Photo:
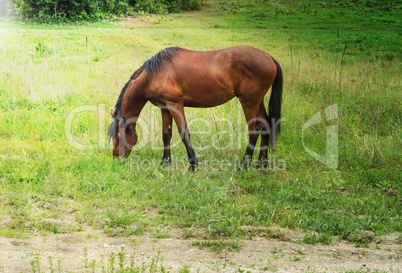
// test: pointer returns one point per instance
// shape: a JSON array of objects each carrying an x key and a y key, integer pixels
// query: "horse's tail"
[{"x": 275, "y": 101}]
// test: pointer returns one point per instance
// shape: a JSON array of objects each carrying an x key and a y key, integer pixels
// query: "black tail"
[{"x": 275, "y": 102}]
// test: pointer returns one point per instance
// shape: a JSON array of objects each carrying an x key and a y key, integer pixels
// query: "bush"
[
  {"x": 151, "y": 6},
  {"x": 46, "y": 11},
  {"x": 162, "y": 6}
]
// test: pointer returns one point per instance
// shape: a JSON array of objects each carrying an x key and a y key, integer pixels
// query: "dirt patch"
[
  {"x": 134, "y": 22},
  {"x": 67, "y": 251},
  {"x": 152, "y": 20}
]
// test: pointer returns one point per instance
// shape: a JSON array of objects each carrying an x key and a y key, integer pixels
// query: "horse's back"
[
  {"x": 237, "y": 63},
  {"x": 211, "y": 78}
]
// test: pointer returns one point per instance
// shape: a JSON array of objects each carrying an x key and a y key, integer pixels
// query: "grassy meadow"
[{"x": 59, "y": 82}]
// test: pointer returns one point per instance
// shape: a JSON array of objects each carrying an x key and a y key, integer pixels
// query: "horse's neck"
[{"x": 134, "y": 101}]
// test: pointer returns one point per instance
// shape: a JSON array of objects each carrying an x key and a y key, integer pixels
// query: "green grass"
[{"x": 49, "y": 71}]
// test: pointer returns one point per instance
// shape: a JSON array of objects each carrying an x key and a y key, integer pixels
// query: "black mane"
[
  {"x": 151, "y": 66},
  {"x": 156, "y": 62}
]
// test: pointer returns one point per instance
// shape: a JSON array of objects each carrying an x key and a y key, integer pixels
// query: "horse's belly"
[{"x": 205, "y": 99}]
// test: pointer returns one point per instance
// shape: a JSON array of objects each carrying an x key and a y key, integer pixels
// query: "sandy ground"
[{"x": 257, "y": 255}]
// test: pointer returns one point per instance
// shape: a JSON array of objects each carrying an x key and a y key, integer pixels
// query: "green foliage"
[
  {"x": 151, "y": 6},
  {"x": 310, "y": 238},
  {"x": 46, "y": 11},
  {"x": 163, "y": 6},
  {"x": 56, "y": 11}
]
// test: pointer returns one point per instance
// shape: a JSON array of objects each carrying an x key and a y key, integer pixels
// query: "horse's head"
[{"x": 123, "y": 135}]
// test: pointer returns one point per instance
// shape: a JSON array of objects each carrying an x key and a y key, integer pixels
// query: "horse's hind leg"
[
  {"x": 251, "y": 111},
  {"x": 166, "y": 135},
  {"x": 263, "y": 128}
]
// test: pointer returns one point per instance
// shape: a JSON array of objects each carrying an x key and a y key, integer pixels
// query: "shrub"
[{"x": 47, "y": 11}]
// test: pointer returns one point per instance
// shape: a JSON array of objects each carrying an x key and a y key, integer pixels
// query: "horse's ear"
[{"x": 112, "y": 112}]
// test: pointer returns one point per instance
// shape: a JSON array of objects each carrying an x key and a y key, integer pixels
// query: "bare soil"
[{"x": 256, "y": 255}]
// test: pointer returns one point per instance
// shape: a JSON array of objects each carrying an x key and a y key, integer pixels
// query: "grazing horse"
[{"x": 177, "y": 77}]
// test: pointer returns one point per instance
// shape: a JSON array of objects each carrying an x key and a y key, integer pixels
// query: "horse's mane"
[{"x": 151, "y": 67}]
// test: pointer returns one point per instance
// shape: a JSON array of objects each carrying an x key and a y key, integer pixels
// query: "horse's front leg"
[
  {"x": 166, "y": 136},
  {"x": 177, "y": 111}
]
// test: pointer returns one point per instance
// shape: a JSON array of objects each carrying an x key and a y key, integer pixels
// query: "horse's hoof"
[
  {"x": 193, "y": 164},
  {"x": 166, "y": 162},
  {"x": 245, "y": 163},
  {"x": 193, "y": 167},
  {"x": 262, "y": 164}
]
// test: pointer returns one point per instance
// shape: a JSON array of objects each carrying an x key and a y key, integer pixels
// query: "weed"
[
  {"x": 325, "y": 238},
  {"x": 269, "y": 266},
  {"x": 310, "y": 238},
  {"x": 234, "y": 245},
  {"x": 35, "y": 263},
  {"x": 185, "y": 269},
  {"x": 309, "y": 269},
  {"x": 336, "y": 254},
  {"x": 161, "y": 233},
  {"x": 364, "y": 252},
  {"x": 188, "y": 233},
  {"x": 112, "y": 264},
  {"x": 295, "y": 258},
  {"x": 301, "y": 250},
  {"x": 218, "y": 246},
  {"x": 276, "y": 233},
  {"x": 277, "y": 253}
]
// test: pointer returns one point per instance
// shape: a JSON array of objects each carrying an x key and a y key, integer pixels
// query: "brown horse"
[{"x": 177, "y": 77}]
